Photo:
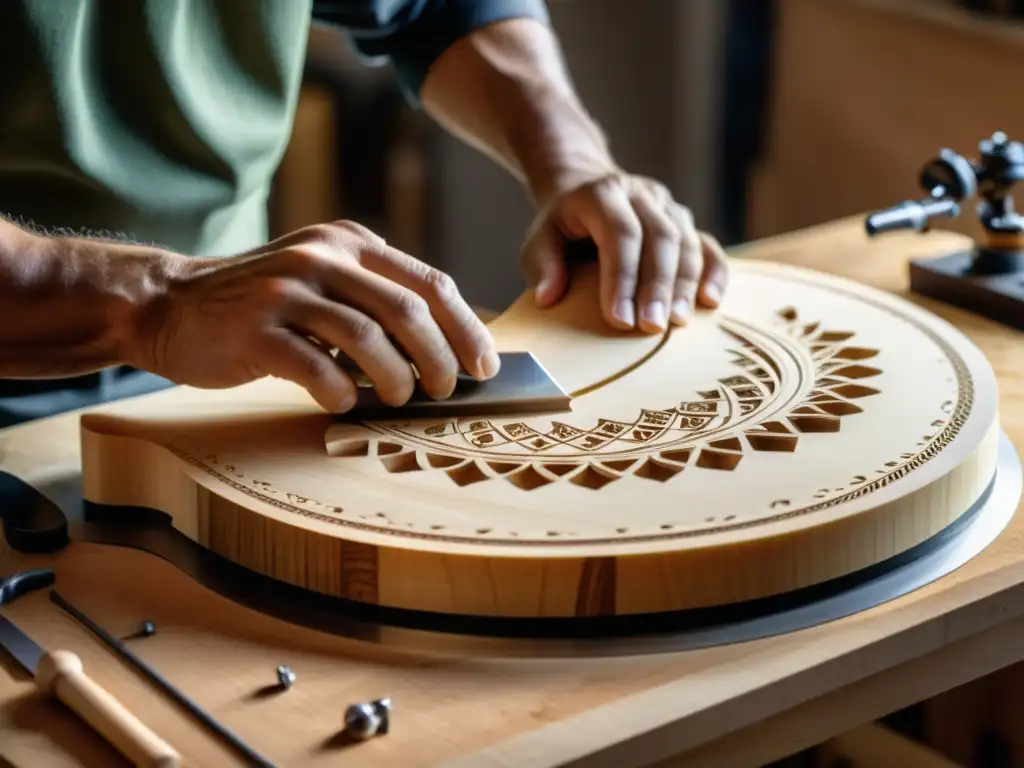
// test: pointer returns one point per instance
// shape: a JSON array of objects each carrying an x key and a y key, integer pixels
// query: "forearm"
[
  {"x": 505, "y": 90},
  {"x": 71, "y": 306}
]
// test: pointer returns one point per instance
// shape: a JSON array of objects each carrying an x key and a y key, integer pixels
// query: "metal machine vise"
[{"x": 989, "y": 279}]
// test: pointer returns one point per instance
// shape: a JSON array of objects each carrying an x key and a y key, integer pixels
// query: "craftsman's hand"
[
  {"x": 280, "y": 309},
  {"x": 655, "y": 267}
]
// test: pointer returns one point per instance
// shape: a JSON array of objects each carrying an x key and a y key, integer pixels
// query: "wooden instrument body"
[{"x": 807, "y": 429}]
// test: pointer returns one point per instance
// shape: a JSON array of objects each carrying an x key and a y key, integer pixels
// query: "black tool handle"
[
  {"x": 582, "y": 251},
  {"x": 31, "y": 522},
  {"x": 23, "y": 582}
]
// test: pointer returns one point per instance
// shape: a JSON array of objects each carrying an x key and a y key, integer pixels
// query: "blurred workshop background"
[{"x": 763, "y": 116}]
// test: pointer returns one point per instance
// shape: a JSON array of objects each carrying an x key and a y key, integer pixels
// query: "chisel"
[{"x": 60, "y": 674}]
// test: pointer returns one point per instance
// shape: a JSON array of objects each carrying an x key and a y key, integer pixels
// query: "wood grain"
[
  {"x": 494, "y": 712},
  {"x": 807, "y": 429}
]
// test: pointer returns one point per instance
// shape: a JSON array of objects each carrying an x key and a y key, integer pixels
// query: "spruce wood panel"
[
  {"x": 808, "y": 428},
  {"x": 492, "y": 712}
]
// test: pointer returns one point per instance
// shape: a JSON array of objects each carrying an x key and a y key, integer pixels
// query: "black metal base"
[{"x": 950, "y": 279}]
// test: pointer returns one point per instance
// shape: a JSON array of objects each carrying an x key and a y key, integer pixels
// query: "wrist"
[
  {"x": 138, "y": 300},
  {"x": 107, "y": 291},
  {"x": 560, "y": 149},
  {"x": 505, "y": 90},
  {"x": 74, "y": 305}
]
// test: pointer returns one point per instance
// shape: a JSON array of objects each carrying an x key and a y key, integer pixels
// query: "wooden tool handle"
[{"x": 60, "y": 673}]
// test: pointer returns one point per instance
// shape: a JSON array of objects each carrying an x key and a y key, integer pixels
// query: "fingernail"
[
  {"x": 547, "y": 296},
  {"x": 654, "y": 313},
  {"x": 681, "y": 309},
  {"x": 624, "y": 313},
  {"x": 489, "y": 365},
  {"x": 345, "y": 403},
  {"x": 541, "y": 292},
  {"x": 713, "y": 293},
  {"x": 447, "y": 389}
]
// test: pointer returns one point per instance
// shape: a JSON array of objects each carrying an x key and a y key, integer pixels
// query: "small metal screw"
[
  {"x": 285, "y": 676},
  {"x": 146, "y": 629},
  {"x": 364, "y": 721}
]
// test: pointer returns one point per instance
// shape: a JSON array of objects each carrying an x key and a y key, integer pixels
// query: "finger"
[
  {"x": 362, "y": 339},
  {"x": 714, "y": 279},
  {"x": 543, "y": 260},
  {"x": 616, "y": 231},
  {"x": 659, "y": 263},
  {"x": 690, "y": 265},
  {"x": 407, "y": 318},
  {"x": 466, "y": 333},
  {"x": 289, "y": 356}
]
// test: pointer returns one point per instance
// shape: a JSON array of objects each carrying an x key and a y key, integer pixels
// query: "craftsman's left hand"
[{"x": 655, "y": 267}]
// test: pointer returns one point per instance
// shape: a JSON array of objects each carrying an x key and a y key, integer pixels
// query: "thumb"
[{"x": 544, "y": 262}]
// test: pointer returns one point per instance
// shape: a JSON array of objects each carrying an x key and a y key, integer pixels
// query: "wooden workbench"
[{"x": 733, "y": 706}]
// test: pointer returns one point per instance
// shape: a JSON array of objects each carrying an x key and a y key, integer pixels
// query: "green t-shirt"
[{"x": 164, "y": 121}]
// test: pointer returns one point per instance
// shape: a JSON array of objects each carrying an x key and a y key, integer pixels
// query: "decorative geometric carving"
[
  {"x": 748, "y": 455},
  {"x": 776, "y": 384},
  {"x": 710, "y": 431}
]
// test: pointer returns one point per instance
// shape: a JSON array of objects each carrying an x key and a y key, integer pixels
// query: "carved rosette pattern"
[
  {"x": 699, "y": 433},
  {"x": 841, "y": 381}
]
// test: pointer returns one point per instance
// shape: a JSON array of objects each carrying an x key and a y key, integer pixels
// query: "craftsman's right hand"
[{"x": 226, "y": 321}]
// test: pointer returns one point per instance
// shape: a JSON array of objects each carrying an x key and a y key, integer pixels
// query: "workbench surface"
[{"x": 738, "y": 705}]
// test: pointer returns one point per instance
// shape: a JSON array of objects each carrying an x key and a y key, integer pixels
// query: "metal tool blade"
[
  {"x": 19, "y": 646},
  {"x": 522, "y": 385}
]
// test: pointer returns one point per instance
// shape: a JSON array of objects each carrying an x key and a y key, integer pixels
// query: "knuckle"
[
  {"x": 316, "y": 367},
  {"x": 300, "y": 261},
  {"x": 690, "y": 247},
  {"x": 606, "y": 188},
  {"x": 364, "y": 332},
  {"x": 659, "y": 289},
  {"x": 661, "y": 228},
  {"x": 439, "y": 283},
  {"x": 685, "y": 217},
  {"x": 321, "y": 233},
  {"x": 659, "y": 190},
  {"x": 627, "y": 227},
  {"x": 689, "y": 268},
  {"x": 357, "y": 229},
  {"x": 606, "y": 182},
  {"x": 359, "y": 239},
  {"x": 626, "y": 280},
  {"x": 410, "y": 308},
  {"x": 277, "y": 291}
]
